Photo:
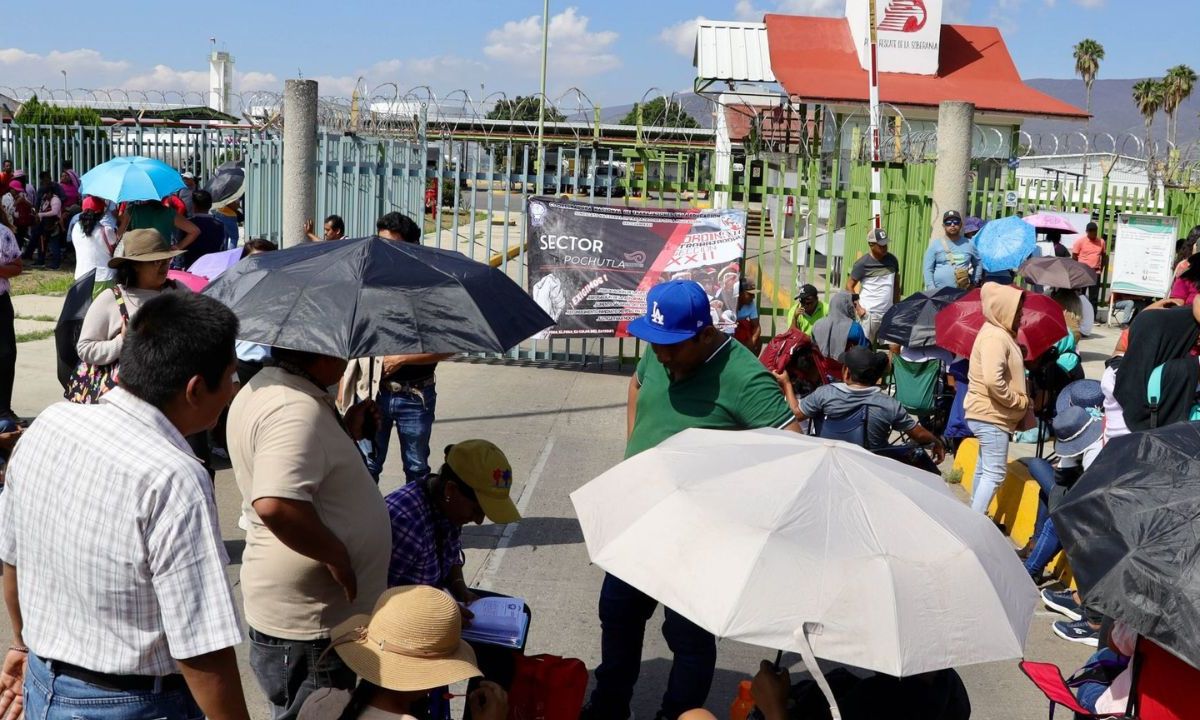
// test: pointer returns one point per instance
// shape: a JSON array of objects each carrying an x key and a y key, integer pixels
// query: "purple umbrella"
[{"x": 213, "y": 264}]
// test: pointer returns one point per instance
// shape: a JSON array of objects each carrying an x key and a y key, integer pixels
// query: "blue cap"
[{"x": 675, "y": 311}]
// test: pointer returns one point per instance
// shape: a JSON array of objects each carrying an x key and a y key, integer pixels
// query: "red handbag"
[{"x": 547, "y": 687}]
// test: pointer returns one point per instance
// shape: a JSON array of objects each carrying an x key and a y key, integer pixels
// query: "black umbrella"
[
  {"x": 369, "y": 297},
  {"x": 1058, "y": 272},
  {"x": 70, "y": 323},
  {"x": 1131, "y": 529},
  {"x": 910, "y": 322},
  {"x": 227, "y": 184}
]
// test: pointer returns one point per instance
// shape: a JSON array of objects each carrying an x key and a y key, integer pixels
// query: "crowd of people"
[{"x": 355, "y": 600}]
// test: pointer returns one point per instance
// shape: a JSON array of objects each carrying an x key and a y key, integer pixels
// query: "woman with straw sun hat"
[{"x": 411, "y": 644}]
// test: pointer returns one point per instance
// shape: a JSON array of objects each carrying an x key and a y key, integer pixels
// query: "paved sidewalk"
[{"x": 560, "y": 429}]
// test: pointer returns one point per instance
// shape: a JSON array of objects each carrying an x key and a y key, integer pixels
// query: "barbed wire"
[{"x": 387, "y": 110}]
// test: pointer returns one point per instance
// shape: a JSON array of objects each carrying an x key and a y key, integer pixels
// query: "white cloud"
[
  {"x": 84, "y": 68},
  {"x": 681, "y": 37},
  {"x": 442, "y": 73},
  {"x": 164, "y": 77},
  {"x": 574, "y": 52},
  {"x": 1090, "y": 4},
  {"x": 747, "y": 11}
]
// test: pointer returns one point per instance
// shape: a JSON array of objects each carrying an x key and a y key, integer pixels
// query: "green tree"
[
  {"x": 36, "y": 112},
  {"x": 523, "y": 108},
  {"x": 38, "y": 126},
  {"x": 659, "y": 113},
  {"x": 1088, "y": 54},
  {"x": 1177, "y": 87},
  {"x": 1148, "y": 96}
]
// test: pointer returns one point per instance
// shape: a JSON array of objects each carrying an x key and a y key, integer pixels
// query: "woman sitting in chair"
[{"x": 839, "y": 331}]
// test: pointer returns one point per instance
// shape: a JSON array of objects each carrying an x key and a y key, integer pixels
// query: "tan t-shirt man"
[{"x": 285, "y": 441}]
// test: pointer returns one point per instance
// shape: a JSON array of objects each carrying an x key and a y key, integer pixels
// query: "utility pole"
[{"x": 542, "y": 99}]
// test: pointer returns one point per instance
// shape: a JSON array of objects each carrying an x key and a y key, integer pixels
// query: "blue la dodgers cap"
[{"x": 675, "y": 311}]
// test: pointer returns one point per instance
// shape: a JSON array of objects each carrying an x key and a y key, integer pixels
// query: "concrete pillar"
[
  {"x": 952, "y": 175},
  {"x": 299, "y": 159}
]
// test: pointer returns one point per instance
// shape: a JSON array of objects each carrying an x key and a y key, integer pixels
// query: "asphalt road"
[{"x": 560, "y": 429}]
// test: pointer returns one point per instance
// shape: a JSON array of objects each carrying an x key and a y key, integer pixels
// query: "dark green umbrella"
[
  {"x": 370, "y": 297},
  {"x": 1131, "y": 529}
]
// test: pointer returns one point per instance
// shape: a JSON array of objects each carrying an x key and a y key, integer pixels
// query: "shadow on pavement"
[
  {"x": 652, "y": 683},
  {"x": 535, "y": 413},
  {"x": 1093, "y": 356},
  {"x": 531, "y": 531}
]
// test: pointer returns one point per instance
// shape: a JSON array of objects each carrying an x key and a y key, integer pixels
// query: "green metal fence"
[
  {"x": 51, "y": 148},
  {"x": 809, "y": 216}
]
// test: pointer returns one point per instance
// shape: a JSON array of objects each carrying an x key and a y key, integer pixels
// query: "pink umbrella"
[
  {"x": 195, "y": 283},
  {"x": 1045, "y": 222}
]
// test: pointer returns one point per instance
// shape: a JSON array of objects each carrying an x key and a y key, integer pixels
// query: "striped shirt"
[{"x": 110, "y": 521}]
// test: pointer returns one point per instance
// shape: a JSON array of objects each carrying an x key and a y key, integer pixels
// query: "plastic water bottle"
[{"x": 743, "y": 703}]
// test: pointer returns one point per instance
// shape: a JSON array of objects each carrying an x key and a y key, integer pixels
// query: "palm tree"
[
  {"x": 1148, "y": 96},
  {"x": 1088, "y": 54},
  {"x": 1177, "y": 87}
]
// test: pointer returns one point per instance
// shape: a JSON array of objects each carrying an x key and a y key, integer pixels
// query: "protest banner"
[{"x": 590, "y": 266}]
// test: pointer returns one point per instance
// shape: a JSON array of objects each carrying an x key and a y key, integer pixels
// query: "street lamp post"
[{"x": 542, "y": 99}]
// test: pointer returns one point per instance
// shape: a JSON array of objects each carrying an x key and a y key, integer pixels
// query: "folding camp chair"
[
  {"x": 851, "y": 428},
  {"x": 921, "y": 388},
  {"x": 1048, "y": 678}
]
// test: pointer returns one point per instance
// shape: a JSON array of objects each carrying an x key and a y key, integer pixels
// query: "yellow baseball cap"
[{"x": 485, "y": 469}]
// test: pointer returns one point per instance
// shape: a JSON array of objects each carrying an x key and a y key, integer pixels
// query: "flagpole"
[
  {"x": 873, "y": 73},
  {"x": 542, "y": 99}
]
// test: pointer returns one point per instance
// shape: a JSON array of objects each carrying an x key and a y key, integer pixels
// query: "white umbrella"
[{"x": 813, "y": 546}]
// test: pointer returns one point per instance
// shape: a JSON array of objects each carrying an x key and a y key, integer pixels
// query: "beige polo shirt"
[{"x": 285, "y": 441}]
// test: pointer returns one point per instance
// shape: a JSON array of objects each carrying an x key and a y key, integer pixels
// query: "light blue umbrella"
[
  {"x": 127, "y": 179},
  {"x": 1006, "y": 243}
]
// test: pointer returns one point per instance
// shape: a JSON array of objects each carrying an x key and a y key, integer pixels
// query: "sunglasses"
[{"x": 952, "y": 222}]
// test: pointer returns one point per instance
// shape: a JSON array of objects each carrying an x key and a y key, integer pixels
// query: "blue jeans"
[
  {"x": 1043, "y": 474},
  {"x": 231, "y": 229},
  {"x": 624, "y": 611},
  {"x": 411, "y": 413},
  {"x": 51, "y": 696},
  {"x": 1045, "y": 539},
  {"x": 992, "y": 464},
  {"x": 288, "y": 671}
]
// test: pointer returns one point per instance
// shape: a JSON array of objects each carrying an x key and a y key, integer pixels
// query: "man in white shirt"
[
  {"x": 114, "y": 568},
  {"x": 874, "y": 278}
]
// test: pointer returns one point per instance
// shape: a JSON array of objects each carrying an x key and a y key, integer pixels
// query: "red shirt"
[
  {"x": 1089, "y": 252},
  {"x": 173, "y": 202}
]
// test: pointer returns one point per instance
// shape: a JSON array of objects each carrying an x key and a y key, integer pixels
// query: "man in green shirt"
[
  {"x": 807, "y": 310},
  {"x": 694, "y": 377}
]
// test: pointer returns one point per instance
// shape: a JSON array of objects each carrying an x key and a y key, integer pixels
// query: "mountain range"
[{"x": 1113, "y": 110}]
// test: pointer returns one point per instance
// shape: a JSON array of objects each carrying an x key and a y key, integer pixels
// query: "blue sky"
[{"x": 615, "y": 50}]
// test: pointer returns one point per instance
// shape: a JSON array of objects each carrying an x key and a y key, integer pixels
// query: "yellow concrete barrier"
[
  {"x": 499, "y": 259},
  {"x": 1015, "y": 503}
]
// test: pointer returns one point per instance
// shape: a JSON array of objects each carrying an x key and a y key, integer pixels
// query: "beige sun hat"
[
  {"x": 144, "y": 245},
  {"x": 412, "y": 641}
]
